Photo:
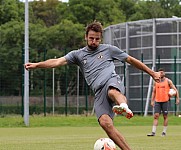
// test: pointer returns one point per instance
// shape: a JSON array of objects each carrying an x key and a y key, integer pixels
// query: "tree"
[
  {"x": 10, "y": 10},
  {"x": 47, "y": 11},
  {"x": 11, "y": 57},
  {"x": 66, "y": 35},
  {"x": 105, "y": 11},
  {"x": 176, "y": 11},
  {"x": 151, "y": 9},
  {"x": 38, "y": 37},
  {"x": 56, "y": 27},
  {"x": 147, "y": 10},
  {"x": 169, "y": 6},
  {"x": 127, "y": 6}
]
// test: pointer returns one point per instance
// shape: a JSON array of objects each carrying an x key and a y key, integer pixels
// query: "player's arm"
[
  {"x": 172, "y": 86},
  {"x": 50, "y": 63},
  {"x": 138, "y": 64},
  {"x": 153, "y": 95}
]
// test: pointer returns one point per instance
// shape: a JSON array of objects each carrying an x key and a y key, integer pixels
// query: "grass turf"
[
  {"x": 80, "y": 133},
  {"x": 79, "y": 121},
  {"x": 83, "y": 138}
]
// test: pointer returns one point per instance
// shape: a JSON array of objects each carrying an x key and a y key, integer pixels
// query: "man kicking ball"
[{"x": 96, "y": 62}]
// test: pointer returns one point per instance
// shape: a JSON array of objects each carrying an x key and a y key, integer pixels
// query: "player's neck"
[{"x": 162, "y": 79}]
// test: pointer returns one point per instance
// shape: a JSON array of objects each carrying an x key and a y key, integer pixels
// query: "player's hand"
[
  {"x": 30, "y": 66},
  {"x": 152, "y": 103},
  {"x": 177, "y": 101},
  {"x": 156, "y": 77}
]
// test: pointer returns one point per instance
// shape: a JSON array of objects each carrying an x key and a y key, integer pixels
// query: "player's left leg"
[
  {"x": 165, "y": 106},
  {"x": 107, "y": 124}
]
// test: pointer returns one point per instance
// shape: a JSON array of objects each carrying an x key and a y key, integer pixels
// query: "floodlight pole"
[{"x": 26, "y": 73}]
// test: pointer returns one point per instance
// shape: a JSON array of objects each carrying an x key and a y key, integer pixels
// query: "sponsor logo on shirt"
[{"x": 100, "y": 56}]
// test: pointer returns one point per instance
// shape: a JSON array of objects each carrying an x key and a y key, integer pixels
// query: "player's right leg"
[
  {"x": 155, "y": 124},
  {"x": 157, "y": 110},
  {"x": 107, "y": 124}
]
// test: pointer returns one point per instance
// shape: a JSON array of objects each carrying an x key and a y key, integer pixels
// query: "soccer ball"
[
  {"x": 104, "y": 144},
  {"x": 172, "y": 92}
]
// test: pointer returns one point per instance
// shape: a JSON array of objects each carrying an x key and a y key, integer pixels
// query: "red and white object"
[{"x": 104, "y": 144}]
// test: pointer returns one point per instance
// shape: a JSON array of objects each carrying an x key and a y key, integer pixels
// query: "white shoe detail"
[{"x": 123, "y": 109}]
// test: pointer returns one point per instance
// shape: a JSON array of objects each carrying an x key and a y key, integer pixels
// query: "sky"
[{"x": 44, "y": 0}]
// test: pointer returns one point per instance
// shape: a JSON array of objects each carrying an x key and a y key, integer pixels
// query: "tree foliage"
[{"x": 56, "y": 26}]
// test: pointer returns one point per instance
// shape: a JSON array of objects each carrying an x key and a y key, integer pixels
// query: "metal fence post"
[
  {"x": 175, "y": 80},
  {"x": 66, "y": 92},
  {"x": 44, "y": 85},
  {"x": 142, "y": 86}
]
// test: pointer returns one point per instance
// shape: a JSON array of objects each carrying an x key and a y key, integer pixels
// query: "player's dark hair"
[
  {"x": 94, "y": 26},
  {"x": 161, "y": 69}
]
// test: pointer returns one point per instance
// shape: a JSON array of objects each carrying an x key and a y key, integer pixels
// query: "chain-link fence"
[
  {"x": 157, "y": 43},
  {"x": 59, "y": 90}
]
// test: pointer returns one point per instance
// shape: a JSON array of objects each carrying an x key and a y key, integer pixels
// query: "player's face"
[
  {"x": 93, "y": 39},
  {"x": 162, "y": 74}
]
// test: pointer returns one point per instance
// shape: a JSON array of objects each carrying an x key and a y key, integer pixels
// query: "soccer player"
[
  {"x": 96, "y": 63},
  {"x": 160, "y": 101}
]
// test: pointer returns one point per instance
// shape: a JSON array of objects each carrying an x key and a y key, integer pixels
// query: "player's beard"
[{"x": 92, "y": 47}]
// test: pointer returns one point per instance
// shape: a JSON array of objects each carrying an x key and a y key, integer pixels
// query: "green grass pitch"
[{"x": 80, "y": 133}]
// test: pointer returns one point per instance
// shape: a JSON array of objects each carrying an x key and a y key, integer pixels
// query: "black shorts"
[
  {"x": 102, "y": 104},
  {"x": 161, "y": 106}
]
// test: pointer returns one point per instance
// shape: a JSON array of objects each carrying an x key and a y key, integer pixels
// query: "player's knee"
[
  {"x": 165, "y": 116},
  {"x": 105, "y": 123},
  {"x": 156, "y": 116},
  {"x": 112, "y": 92}
]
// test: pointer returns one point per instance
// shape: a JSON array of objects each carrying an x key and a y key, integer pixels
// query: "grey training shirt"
[{"x": 97, "y": 65}]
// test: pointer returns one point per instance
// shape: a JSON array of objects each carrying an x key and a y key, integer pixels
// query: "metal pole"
[
  {"x": 154, "y": 44},
  {"x": 22, "y": 86},
  {"x": 153, "y": 68},
  {"x": 26, "y": 73},
  {"x": 66, "y": 92},
  {"x": 142, "y": 86},
  {"x": 154, "y": 50},
  {"x": 127, "y": 66},
  {"x": 175, "y": 81},
  {"x": 86, "y": 97},
  {"x": 148, "y": 96},
  {"x": 77, "y": 90},
  {"x": 158, "y": 61},
  {"x": 141, "y": 71},
  {"x": 44, "y": 85},
  {"x": 53, "y": 80}
]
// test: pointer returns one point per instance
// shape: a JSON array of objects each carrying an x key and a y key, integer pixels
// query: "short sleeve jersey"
[{"x": 97, "y": 65}]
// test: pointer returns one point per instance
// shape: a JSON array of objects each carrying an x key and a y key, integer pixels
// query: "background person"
[
  {"x": 160, "y": 101},
  {"x": 96, "y": 63}
]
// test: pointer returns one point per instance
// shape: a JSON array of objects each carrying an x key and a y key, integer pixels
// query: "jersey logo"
[
  {"x": 100, "y": 56},
  {"x": 85, "y": 61}
]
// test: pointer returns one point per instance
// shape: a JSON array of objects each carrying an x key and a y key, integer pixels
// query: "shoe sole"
[
  {"x": 150, "y": 135},
  {"x": 119, "y": 110}
]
